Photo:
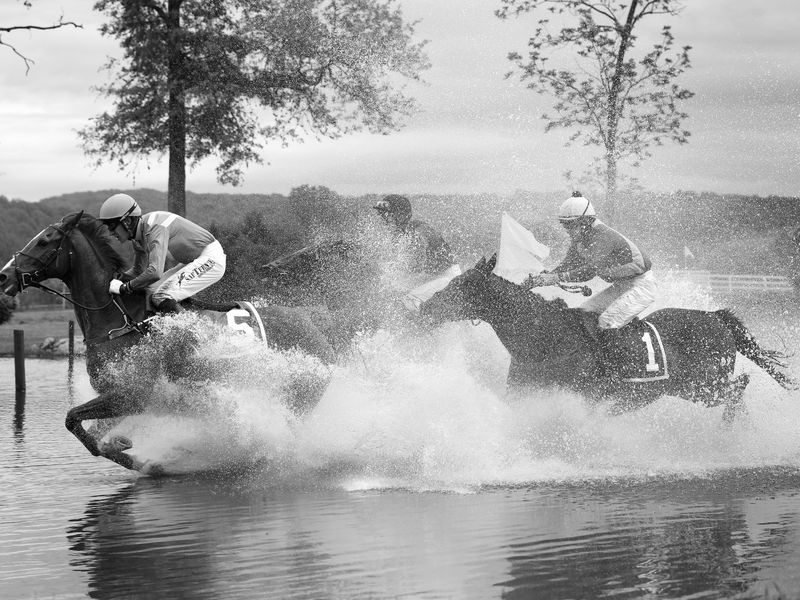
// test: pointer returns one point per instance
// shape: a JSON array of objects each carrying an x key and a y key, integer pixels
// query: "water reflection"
[
  {"x": 654, "y": 543},
  {"x": 144, "y": 537},
  {"x": 19, "y": 417}
]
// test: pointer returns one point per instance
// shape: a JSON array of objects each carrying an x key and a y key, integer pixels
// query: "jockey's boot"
[{"x": 168, "y": 307}]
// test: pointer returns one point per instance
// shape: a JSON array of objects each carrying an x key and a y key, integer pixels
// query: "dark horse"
[
  {"x": 80, "y": 251},
  {"x": 551, "y": 344}
]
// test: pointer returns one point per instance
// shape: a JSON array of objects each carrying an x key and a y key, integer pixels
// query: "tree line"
[{"x": 726, "y": 233}]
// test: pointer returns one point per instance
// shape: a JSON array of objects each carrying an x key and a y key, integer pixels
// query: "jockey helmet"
[
  {"x": 576, "y": 207},
  {"x": 395, "y": 206},
  {"x": 118, "y": 207}
]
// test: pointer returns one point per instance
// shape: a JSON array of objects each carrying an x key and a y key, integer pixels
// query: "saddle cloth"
[
  {"x": 243, "y": 319},
  {"x": 637, "y": 353}
]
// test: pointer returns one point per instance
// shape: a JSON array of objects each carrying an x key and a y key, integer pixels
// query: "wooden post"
[
  {"x": 71, "y": 329},
  {"x": 19, "y": 359}
]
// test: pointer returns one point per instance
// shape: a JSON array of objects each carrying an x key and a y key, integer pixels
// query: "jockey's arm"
[
  {"x": 574, "y": 268},
  {"x": 157, "y": 240}
]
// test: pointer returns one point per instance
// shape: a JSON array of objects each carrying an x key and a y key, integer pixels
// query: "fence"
[{"x": 728, "y": 283}]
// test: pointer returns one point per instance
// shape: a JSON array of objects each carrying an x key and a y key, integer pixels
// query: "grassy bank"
[{"x": 37, "y": 325}]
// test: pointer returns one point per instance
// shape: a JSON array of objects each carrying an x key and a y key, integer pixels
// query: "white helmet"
[
  {"x": 576, "y": 207},
  {"x": 119, "y": 206}
]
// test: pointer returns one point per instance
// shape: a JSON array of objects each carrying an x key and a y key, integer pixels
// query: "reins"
[{"x": 26, "y": 280}]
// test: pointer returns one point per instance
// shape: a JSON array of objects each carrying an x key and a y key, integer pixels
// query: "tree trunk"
[
  {"x": 614, "y": 115},
  {"x": 176, "y": 185},
  {"x": 611, "y": 189}
]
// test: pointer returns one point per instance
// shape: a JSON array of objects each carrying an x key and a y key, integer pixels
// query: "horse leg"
[
  {"x": 106, "y": 406},
  {"x": 733, "y": 398}
]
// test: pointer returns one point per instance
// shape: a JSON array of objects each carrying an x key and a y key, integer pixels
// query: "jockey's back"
[{"x": 185, "y": 240}]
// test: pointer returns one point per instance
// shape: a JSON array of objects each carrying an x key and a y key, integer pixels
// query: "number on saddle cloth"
[
  {"x": 638, "y": 353},
  {"x": 246, "y": 320}
]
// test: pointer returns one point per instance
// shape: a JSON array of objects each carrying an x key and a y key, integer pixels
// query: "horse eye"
[{"x": 43, "y": 242}]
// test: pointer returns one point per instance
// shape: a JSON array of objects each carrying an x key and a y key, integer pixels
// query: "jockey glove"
[{"x": 118, "y": 287}]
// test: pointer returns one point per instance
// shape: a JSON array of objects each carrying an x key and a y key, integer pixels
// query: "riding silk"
[
  {"x": 604, "y": 252},
  {"x": 163, "y": 239}
]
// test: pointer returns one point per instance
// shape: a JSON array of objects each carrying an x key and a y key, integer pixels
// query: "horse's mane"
[
  {"x": 94, "y": 229},
  {"x": 521, "y": 295}
]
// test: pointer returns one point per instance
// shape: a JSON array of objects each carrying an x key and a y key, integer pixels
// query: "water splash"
[{"x": 430, "y": 412}]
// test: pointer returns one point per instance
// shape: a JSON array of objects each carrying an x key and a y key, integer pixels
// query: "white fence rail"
[{"x": 728, "y": 283}]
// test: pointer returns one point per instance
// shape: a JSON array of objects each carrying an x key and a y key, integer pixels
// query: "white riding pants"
[
  {"x": 620, "y": 302},
  {"x": 183, "y": 281}
]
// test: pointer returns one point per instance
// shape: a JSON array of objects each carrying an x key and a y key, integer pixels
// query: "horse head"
[
  {"x": 78, "y": 244},
  {"x": 464, "y": 297},
  {"x": 46, "y": 256}
]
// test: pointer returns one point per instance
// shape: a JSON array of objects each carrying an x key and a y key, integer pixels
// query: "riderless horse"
[
  {"x": 80, "y": 251},
  {"x": 686, "y": 353}
]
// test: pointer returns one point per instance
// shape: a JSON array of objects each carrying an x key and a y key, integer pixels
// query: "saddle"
[{"x": 632, "y": 353}]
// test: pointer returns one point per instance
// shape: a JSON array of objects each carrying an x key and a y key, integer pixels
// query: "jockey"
[
  {"x": 597, "y": 250},
  {"x": 174, "y": 258},
  {"x": 432, "y": 254}
]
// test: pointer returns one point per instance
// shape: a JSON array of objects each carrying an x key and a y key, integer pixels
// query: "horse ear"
[
  {"x": 492, "y": 262},
  {"x": 72, "y": 220},
  {"x": 481, "y": 263}
]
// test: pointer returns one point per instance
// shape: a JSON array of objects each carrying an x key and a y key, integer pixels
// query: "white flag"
[
  {"x": 520, "y": 252},
  {"x": 413, "y": 299},
  {"x": 687, "y": 253}
]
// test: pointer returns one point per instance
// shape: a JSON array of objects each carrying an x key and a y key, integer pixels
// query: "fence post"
[
  {"x": 71, "y": 329},
  {"x": 19, "y": 359}
]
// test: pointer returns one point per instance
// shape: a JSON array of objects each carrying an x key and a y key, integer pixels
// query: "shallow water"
[{"x": 414, "y": 477}]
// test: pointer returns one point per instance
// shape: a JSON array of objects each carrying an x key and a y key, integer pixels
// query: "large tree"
[
  {"x": 584, "y": 53},
  {"x": 202, "y": 78},
  {"x": 29, "y": 27}
]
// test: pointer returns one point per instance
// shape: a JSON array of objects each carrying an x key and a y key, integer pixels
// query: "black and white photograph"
[{"x": 380, "y": 299}]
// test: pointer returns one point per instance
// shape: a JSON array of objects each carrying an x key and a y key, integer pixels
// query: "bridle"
[{"x": 26, "y": 279}]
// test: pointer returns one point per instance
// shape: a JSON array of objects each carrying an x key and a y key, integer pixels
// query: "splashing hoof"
[
  {"x": 121, "y": 443},
  {"x": 152, "y": 469}
]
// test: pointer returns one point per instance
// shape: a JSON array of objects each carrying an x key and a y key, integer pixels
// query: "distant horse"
[
  {"x": 80, "y": 251},
  {"x": 344, "y": 277},
  {"x": 686, "y": 353}
]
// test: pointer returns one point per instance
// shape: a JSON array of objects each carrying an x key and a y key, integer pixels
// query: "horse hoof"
[
  {"x": 121, "y": 443},
  {"x": 152, "y": 469}
]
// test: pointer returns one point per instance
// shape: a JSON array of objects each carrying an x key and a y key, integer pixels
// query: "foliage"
[
  {"x": 727, "y": 233},
  {"x": 196, "y": 76},
  {"x": 257, "y": 237},
  {"x": 605, "y": 94},
  {"x": 7, "y": 306}
]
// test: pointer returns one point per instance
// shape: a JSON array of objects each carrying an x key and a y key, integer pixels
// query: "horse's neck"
[
  {"x": 528, "y": 326},
  {"x": 88, "y": 281}
]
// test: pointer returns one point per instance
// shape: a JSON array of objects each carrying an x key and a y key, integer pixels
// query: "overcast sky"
[{"x": 475, "y": 132}]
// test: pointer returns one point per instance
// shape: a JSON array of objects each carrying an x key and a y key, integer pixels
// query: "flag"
[
  {"x": 520, "y": 252},
  {"x": 687, "y": 254},
  {"x": 413, "y": 299}
]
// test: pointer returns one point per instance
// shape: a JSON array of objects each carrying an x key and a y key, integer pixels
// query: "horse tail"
[{"x": 769, "y": 360}]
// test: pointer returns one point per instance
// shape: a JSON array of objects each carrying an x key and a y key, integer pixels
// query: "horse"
[
  {"x": 346, "y": 280},
  {"x": 80, "y": 251},
  {"x": 552, "y": 344}
]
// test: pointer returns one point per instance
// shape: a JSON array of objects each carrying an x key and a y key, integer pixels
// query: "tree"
[
  {"x": 12, "y": 28},
  {"x": 608, "y": 96},
  {"x": 196, "y": 75}
]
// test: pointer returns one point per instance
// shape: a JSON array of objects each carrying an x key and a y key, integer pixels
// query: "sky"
[{"x": 476, "y": 131}]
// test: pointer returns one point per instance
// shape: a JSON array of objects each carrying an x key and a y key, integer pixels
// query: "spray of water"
[{"x": 430, "y": 411}]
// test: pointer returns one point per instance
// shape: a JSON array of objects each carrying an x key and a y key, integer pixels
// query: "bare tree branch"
[{"x": 11, "y": 28}]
